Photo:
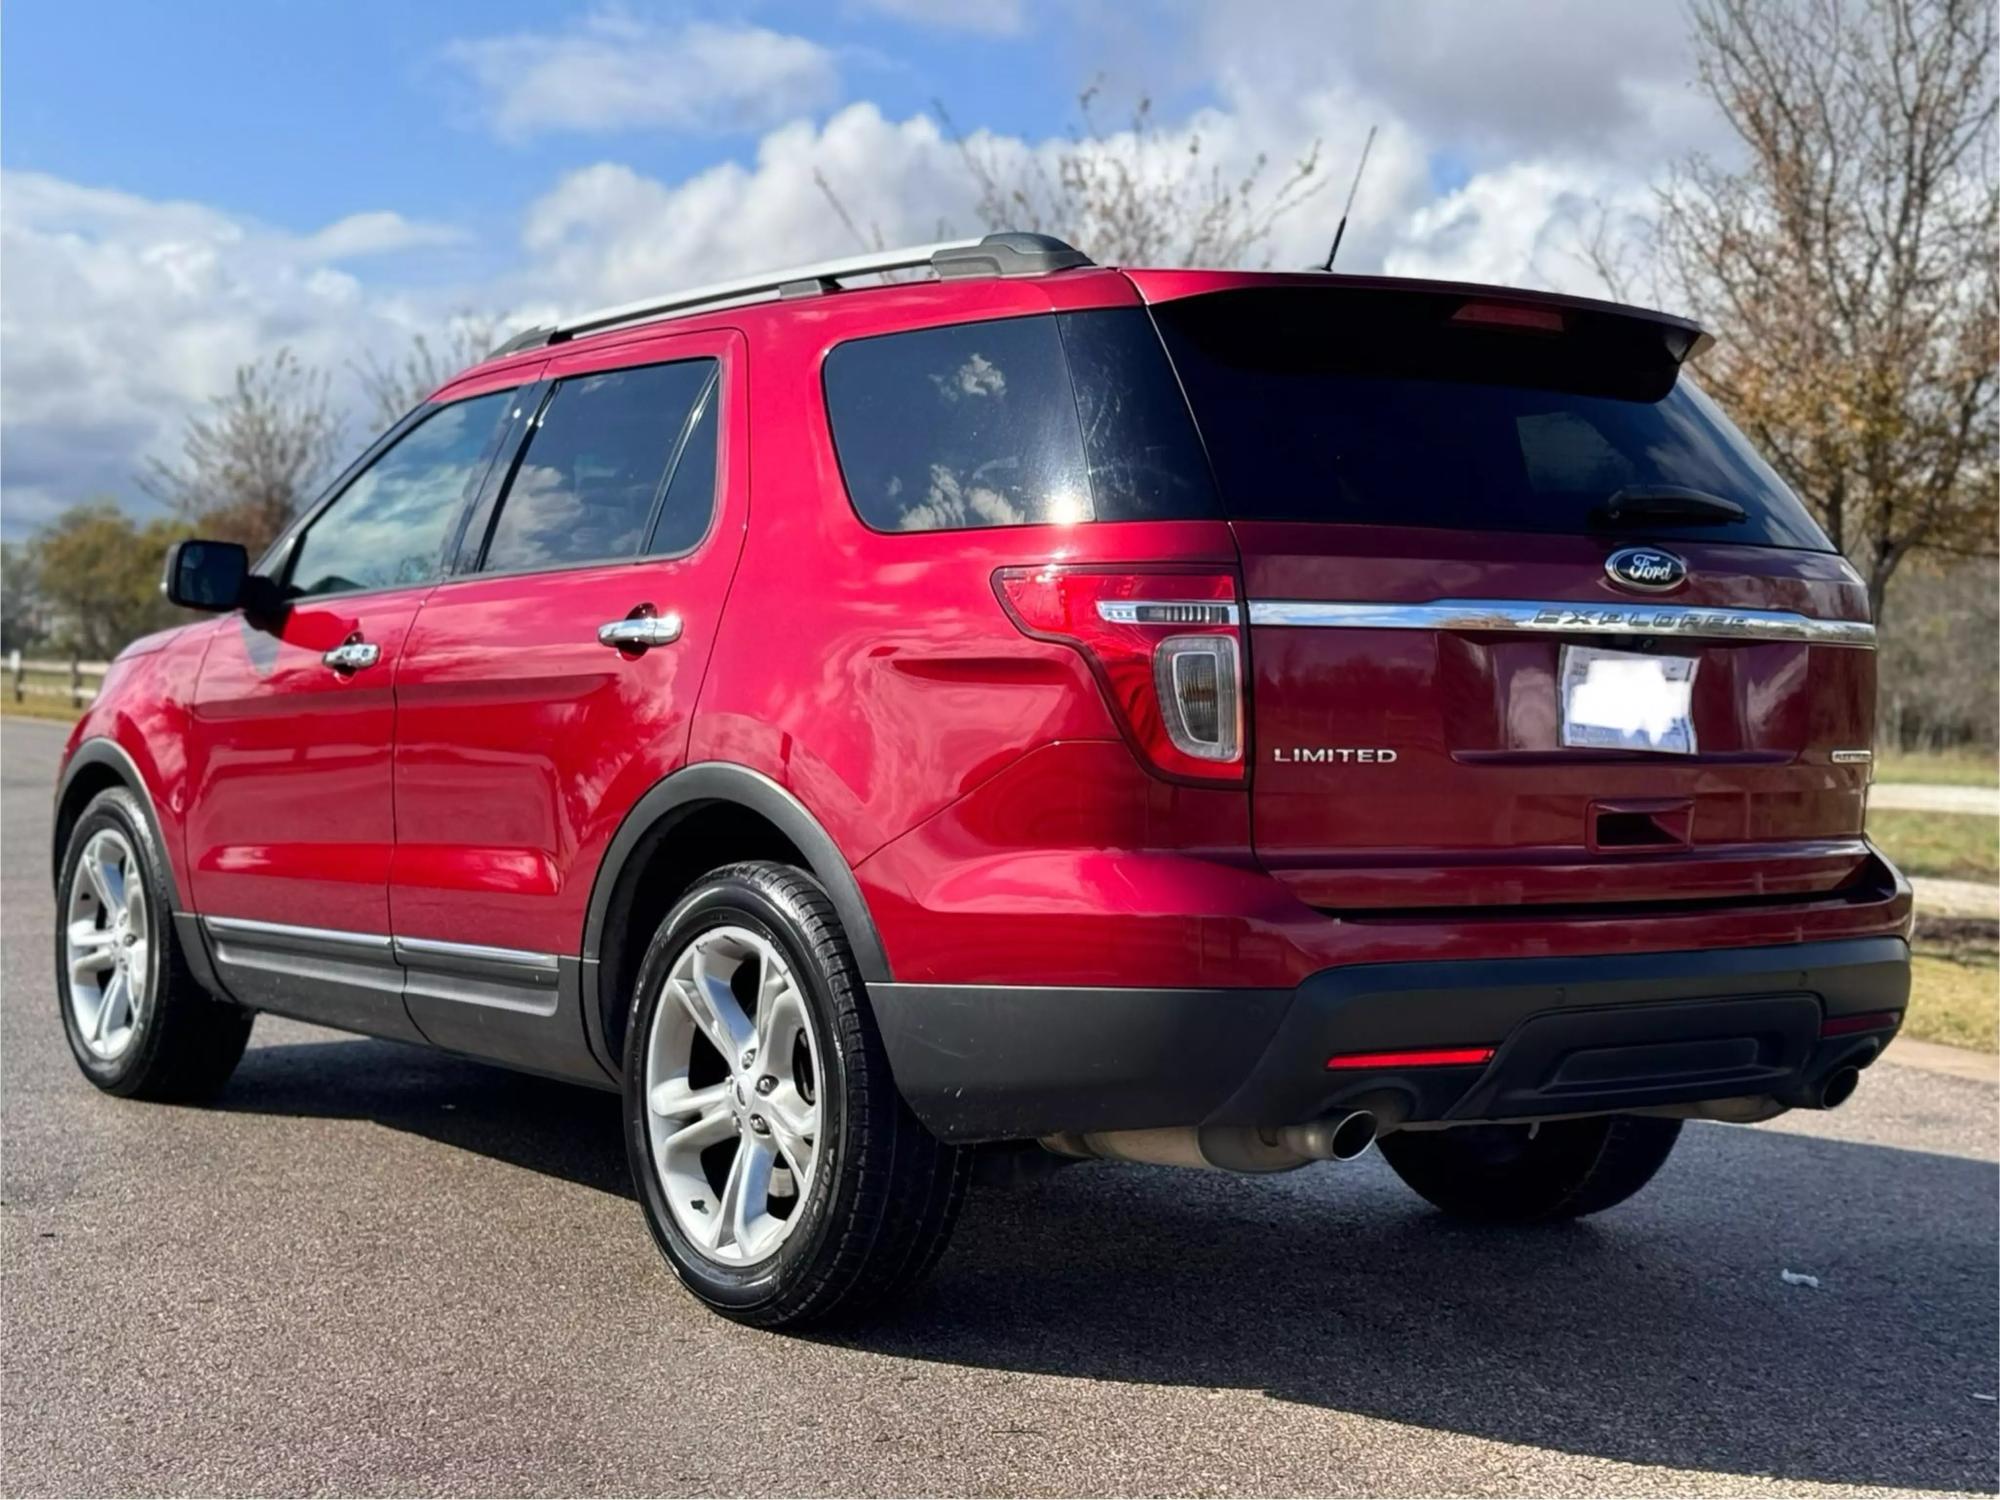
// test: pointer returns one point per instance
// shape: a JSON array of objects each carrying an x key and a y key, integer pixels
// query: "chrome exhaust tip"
[
  {"x": 1354, "y": 1134},
  {"x": 1336, "y": 1138}
]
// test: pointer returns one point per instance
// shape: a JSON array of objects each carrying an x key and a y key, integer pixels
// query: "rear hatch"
[{"x": 1432, "y": 489}]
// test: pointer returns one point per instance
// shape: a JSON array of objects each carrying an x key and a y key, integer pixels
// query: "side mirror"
[{"x": 212, "y": 576}]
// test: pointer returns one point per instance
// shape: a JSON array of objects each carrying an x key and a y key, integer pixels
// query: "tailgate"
[
  {"x": 1409, "y": 752},
  {"x": 1443, "y": 497}
]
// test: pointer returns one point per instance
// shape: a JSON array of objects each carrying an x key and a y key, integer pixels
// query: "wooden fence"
[{"x": 74, "y": 680}]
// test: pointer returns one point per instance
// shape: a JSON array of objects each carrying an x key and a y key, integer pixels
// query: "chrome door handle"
[
  {"x": 353, "y": 656},
  {"x": 638, "y": 633}
]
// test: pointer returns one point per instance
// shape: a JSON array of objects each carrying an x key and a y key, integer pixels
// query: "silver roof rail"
[{"x": 1009, "y": 254}]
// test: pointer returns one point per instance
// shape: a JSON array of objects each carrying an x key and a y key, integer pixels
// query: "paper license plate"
[{"x": 1621, "y": 700}]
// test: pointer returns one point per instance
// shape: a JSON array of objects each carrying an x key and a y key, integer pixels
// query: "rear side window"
[
  {"x": 598, "y": 479},
  {"x": 1322, "y": 405},
  {"x": 1018, "y": 422}
]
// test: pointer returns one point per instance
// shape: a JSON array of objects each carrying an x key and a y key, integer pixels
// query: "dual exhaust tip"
[{"x": 1340, "y": 1137}]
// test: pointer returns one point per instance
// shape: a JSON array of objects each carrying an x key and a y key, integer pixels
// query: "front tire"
[
  {"x": 139, "y": 1023},
  {"x": 782, "y": 1175},
  {"x": 1532, "y": 1174}
]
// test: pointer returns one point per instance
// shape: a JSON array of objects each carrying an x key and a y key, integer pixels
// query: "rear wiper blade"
[{"x": 1666, "y": 505}]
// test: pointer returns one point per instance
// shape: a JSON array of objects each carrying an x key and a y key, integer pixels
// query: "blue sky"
[
  {"x": 186, "y": 187},
  {"x": 296, "y": 113}
]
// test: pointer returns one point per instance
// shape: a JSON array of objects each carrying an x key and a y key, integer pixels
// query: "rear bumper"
[{"x": 1581, "y": 1035}]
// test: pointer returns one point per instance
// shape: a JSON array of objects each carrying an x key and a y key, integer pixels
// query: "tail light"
[{"x": 1167, "y": 648}]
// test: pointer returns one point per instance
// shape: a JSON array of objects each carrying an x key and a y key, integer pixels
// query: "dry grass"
[
  {"x": 1941, "y": 768},
  {"x": 56, "y": 709},
  {"x": 1953, "y": 846},
  {"x": 1955, "y": 1000}
]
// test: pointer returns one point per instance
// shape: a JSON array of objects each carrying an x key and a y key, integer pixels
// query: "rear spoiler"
[{"x": 1679, "y": 338}]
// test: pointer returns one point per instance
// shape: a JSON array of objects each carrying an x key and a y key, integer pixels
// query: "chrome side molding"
[
  {"x": 243, "y": 937},
  {"x": 284, "y": 935},
  {"x": 1555, "y": 617},
  {"x": 422, "y": 950}
]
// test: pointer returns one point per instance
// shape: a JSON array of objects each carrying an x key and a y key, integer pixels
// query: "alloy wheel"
[
  {"x": 732, "y": 1096},
  {"x": 108, "y": 945}
]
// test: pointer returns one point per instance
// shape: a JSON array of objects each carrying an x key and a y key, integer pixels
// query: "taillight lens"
[{"x": 1168, "y": 648}]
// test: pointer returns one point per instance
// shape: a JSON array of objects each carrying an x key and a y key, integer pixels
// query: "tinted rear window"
[
  {"x": 593, "y": 484},
  {"x": 1385, "y": 409},
  {"x": 1015, "y": 422}
]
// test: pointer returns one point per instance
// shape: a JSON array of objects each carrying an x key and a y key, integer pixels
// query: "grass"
[
  {"x": 56, "y": 709},
  {"x": 1940, "y": 767},
  {"x": 1954, "y": 999},
  {"x": 1954, "y": 846}
]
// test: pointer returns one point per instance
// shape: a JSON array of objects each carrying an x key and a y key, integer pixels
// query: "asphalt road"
[{"x": 372, "y": 1269}]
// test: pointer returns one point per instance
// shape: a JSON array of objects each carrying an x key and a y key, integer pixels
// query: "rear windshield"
[{"x": 1396, "y": 409}]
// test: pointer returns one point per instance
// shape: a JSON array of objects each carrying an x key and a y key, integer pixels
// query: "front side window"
[
  {"x": 388, "y": 528},
  {"x": 599, "y": 471}
]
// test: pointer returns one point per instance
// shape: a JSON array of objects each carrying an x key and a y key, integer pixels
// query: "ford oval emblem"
[{"x": 1646, "y": 568}]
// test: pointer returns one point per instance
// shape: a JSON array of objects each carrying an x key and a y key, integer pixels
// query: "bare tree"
[
  {"x": 1140, "y": 196},
  {"x": 254, "y": 457},
  {"x": 393, "y": 388},
  {"x": 1939, "y": 683},
  {"x": 1847, "y": 265}
]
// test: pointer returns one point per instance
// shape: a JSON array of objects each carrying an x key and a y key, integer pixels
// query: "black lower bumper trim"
[
  {"x": 1571, "y": 1035},
  {"x": 1006, "y": 1062}
]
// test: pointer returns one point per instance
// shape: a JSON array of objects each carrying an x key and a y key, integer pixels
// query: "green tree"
[
  {"x": 21, "y": 622},
  {"x": 96, "y": 575}
]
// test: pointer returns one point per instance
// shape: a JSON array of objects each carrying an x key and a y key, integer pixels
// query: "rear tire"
[
  {"x": 1532, "y": 1174},
  {"x": 139, "y": 1023},
  {"x": 787, "y": 1182}
]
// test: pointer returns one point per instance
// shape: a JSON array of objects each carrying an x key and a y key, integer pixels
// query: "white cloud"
[
  {"x": 1527, "y": 223},
  {"x": 123, "y": 314},
  {"x": 618, "y": 72},
  {"x": 1502, "y": 139},
  {"x": 992, "y": 17},
  {"x": 378, "y": 233},
  {"x": 608, "y": 233},
  {"x": 1486, "y": 80}
]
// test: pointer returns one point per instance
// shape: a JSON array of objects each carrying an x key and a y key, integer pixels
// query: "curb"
[{"x": 1936, "y": 1057}]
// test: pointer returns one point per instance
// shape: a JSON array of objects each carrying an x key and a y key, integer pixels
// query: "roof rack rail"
[
  {"x": 1009, "y": 254},
  {"x": 527, "y": 338}
]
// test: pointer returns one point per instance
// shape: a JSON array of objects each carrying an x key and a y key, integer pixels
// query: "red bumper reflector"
[
  {"x": 1874, "y": 1020},
  {"x": 1427, "y": 1057}
]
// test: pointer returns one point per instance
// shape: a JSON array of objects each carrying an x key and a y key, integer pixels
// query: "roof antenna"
[{"x": 1362, "y": 167}]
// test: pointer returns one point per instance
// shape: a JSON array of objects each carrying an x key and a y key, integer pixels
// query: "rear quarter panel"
[{"x": 875, "y": 675}]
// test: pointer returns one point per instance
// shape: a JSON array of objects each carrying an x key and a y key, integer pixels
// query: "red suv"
[{"x": 1202, "y": 717}]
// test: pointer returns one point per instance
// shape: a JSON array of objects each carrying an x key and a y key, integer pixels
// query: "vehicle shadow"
[{"x": 1659, "y": 1334}]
